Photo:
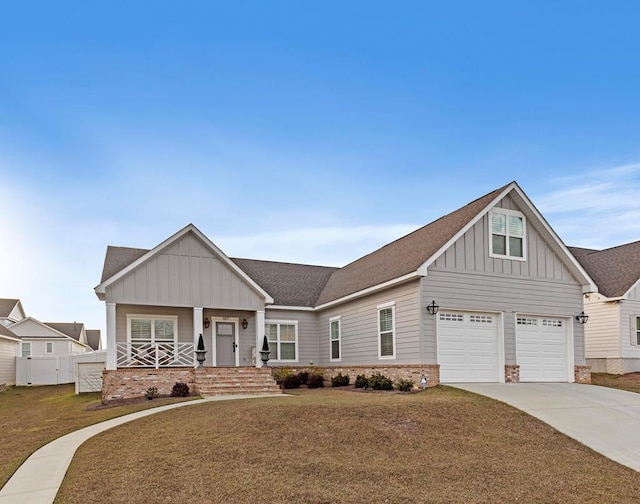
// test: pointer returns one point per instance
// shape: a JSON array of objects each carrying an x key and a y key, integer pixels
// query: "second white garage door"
[
  {"x": 468, "y": 347},
  {"x": 542, "y": 349}
]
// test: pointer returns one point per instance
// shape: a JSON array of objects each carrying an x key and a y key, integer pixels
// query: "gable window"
[
  {"x": 386, "y": 331},
  {"x": 49, "y": 348},
  {"x": 507, "y": 234},
  {"x": 283, "y": 339},
  {"x": 335, "y": 337},
  {"x": 26, "y": 349}
]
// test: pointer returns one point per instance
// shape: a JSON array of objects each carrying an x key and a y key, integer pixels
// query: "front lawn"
[
  {"x": 630, "y": 381},
  {"x": 30, "y": 417},
  {"x": 332, "y": 446}
]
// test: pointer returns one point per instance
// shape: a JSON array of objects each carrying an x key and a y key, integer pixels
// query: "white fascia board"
[
  {"x": 369, "y": 290},
  {"x": 9, "y": 338},
  {"x": 292, "y": 308},
  {"x": 422, "y": 270},
  {"x": 100, "y": 289}
]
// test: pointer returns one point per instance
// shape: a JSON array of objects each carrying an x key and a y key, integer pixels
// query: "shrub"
[
  {"x": 404, "y": 385},
  {"x": 291, "y": 381},
  {"x": 340, "y": 380},
  {"x": 280, "y": 374},
  {"x": 303, "y": 376},
  {"x": 180, "y": 390},
  {"x": 362, "y": 381},
  {"x": 315, "y": 380},
  {"x": 151, "y": 392},
  {"x": 378, "y": 381}
]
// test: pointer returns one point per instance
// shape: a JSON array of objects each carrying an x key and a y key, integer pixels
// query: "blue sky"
[{"x": 301, "y": 131}]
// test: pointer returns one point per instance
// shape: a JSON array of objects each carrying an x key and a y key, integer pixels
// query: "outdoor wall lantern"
[
  {"x": 582, "y": 318},
  {"x": 433, "y": 308},
  {"x": 245, "y": 324},
  {"x": 207, "y": 323}
]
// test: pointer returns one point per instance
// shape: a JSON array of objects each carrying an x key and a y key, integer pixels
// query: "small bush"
[
  {"x": 404, "y": 385},
  {"x": 279, "y": 375},
  {"x": 315, "y": 380},
  {"x": 362, "y": 381},
  {"x": 340, "y": 380},
  {"x": 180, "y": 390},
  {"x": 378, "y": 381},
  {"x": 151, "y": 392},
  {"x": 291, "y": 381},
  {"x": 303, "y": 376}
]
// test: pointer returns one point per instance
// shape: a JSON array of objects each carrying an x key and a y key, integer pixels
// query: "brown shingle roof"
[
  {"x": 6, "y": 332},
  {"x": 404, "y": 255},
  {"x": 71, "y": 329},
  {"x": 7, "y": 306},
  {"x": 118, "y": 258},
  {"x": 289, "y": 284},
  {"x": 93, "y": 338},
  {"x": 614, "y": 270}
]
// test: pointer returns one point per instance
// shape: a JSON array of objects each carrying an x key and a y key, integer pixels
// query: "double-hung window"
[
  {"x": 335, "y": 338},
  {"x": 283, "y": 339},
  {"x": 507, "y": 230},
  {"x": 386, "y": 331},
  {"x": 151, "y": 335}
]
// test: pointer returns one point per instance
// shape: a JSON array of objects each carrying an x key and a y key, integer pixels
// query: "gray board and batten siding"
[
  {"x": 465, "y": 277},
  {"x": 185, "y": 273},
  {"x": 359, "y": 327}
]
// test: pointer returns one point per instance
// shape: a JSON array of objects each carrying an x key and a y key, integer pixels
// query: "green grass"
[
  {"x": 30, "y": 417},
  {"x": 332, "y": 446}
]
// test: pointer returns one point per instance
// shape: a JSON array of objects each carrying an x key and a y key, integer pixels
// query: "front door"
[{"x": 225, "y": 344}]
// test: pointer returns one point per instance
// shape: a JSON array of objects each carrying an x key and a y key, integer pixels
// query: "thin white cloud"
[{"x": 598, "y": 209}]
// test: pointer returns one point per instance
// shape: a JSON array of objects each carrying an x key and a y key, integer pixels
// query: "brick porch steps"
[{"x": 246, "y": 380}]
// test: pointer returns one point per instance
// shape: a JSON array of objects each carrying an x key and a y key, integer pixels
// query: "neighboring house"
[
  {"x": 612, "y": 335},
  {"x": 506, "y": 287},
  {"x": 11, "y": 311},
  {"x": 9, "y": 347},
  {"x": 43, "y": 340},
  {"x": 94, "y": 338}
]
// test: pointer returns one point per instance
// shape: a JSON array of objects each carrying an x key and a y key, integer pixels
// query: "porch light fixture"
[
  {"x": 582, "y": 318},
  {"x": 245, "y": 324},
  {"x": 433, "y": 308},
  {"x": 207, "y": 323}
]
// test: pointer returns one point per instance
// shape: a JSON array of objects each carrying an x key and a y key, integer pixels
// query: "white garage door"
[
  {"x": 468, "y": 347},
  {"x": 542, "y": 349}
]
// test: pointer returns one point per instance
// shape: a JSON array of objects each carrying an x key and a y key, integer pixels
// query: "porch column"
[
  {"x": 259, "y": 335},
  {"x": 112, "y": 351},
  {"x": 197, "y": 330}
]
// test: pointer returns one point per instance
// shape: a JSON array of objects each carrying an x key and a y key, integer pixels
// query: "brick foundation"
[
  {"x": 582, "y": 374},
  {"x": 413, "y": 372},
  {"x": 512, "y": 373},
  {"x": 133, "y": 383}
]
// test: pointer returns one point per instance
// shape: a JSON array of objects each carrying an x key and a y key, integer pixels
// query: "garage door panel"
[
  {"x": 542, "y": 349},
  {"x": 468, "y": 347}
]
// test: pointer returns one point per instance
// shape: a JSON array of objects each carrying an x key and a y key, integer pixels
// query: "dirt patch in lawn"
[
  {"x": 322, "y": 446},
  {"x": 629, "y": 381}
]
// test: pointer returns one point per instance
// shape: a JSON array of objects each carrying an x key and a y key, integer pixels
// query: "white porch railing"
[{"x": 156, "y": 355}]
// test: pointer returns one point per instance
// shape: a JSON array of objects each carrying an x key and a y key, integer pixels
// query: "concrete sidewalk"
[
  {"x": 38, "y": 479},
  {"x": 604, "y": 419}
]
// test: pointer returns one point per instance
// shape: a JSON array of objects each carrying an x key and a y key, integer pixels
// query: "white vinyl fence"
[{"x": 53, "y": 370}]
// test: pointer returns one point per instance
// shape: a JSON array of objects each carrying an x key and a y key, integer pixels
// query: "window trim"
[
  {"x": 636, "y": 319},
  {"x": 339, "y": 339},
  {"x": 46, "y": 347},
  {"x": 392, "y": 305},
  {"x": 25, "y": 345},
  {"x": 507, "y": 212},
  {"x": 279, "y": 322}
]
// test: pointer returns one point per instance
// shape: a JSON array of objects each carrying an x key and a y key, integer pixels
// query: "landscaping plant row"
[{"x": 287, "y": 379}]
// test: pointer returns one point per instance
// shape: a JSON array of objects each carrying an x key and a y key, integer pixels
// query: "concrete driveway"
[{"x": 604, "y": 419}]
